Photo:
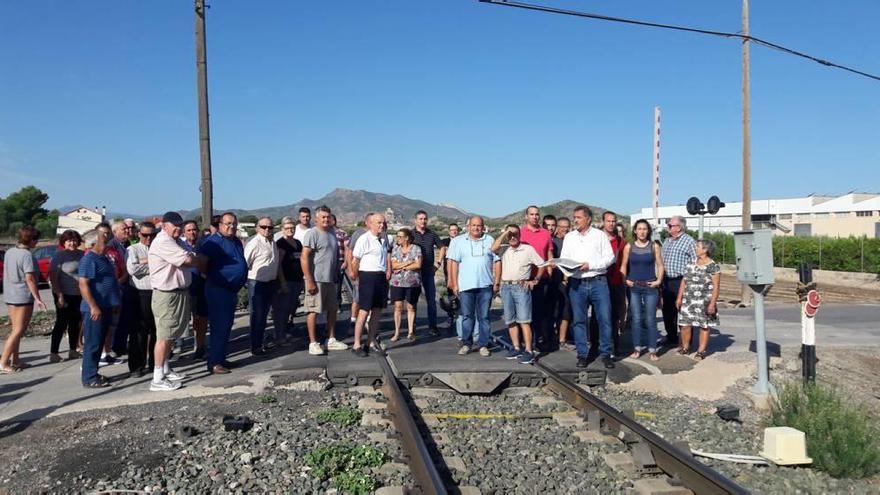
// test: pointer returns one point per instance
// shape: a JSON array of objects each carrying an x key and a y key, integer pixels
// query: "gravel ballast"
[
  {"x": 502, "y": 456},
  {"x": 695, "y": 422},
  {"x": 143, "y": 448}
]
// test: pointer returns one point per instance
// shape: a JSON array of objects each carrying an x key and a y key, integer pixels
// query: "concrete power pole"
[
  {"x": 207, "y": 186},
  {"x": 747, "y": 144}
]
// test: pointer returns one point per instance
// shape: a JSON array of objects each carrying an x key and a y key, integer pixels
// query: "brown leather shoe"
[{"x": 219, "y": 369}]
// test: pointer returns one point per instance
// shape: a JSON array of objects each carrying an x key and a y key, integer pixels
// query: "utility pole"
[
  {"x": 207, "y": 187},
  {"x": 747, "y": 144}
]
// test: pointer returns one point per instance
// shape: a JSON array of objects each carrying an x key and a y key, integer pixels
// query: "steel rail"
[
  {"x": 675, "y": 462},
  {"x": 425, "y": 474}
]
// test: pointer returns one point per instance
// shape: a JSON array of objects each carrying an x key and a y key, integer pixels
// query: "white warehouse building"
[{"x": 853, "y": 214}]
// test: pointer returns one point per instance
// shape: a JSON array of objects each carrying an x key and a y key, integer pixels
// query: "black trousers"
[
  {"x": 142, "y": 330},
  {"x": 542, "y": 312},
  {"x": 670, "y": 312},
  {"x": 67, "y": 318}
]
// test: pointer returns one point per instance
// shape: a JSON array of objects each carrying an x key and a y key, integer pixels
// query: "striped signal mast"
[{"x": 655, "y": 183}]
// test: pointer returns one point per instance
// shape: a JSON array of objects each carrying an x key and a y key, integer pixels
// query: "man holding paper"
[{"x": 587, "y": 285}]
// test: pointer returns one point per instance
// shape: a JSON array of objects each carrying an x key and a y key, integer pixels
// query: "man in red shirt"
[
  {"x": 540, "y": 239},
  {"x": 616, "y": 285}
]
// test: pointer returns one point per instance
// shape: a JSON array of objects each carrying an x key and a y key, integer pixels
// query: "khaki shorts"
[
  {"x": 323, "y": 300},
  {"x": 172, "y": 312}
]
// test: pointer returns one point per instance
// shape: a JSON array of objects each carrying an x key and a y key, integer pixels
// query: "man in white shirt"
[
  {"x": 261, "y": 256},
  {"x": 587, "y": 284},
  {"x": 142, "y": 334},
  {"x": 304, "y": 225},
  {"x": 370, "y": 262}
]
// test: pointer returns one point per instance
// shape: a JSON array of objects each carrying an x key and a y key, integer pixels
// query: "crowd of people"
[{"x": 138, "y": 288}]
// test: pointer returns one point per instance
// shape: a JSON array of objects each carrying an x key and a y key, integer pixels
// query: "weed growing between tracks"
[
  {"x": 347, "y": 466},
  {"x": 841, "y": 438},
  {"x": 345, "y": 416}
]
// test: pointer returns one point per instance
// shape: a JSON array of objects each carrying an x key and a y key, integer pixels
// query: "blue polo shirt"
[
  {"x": 226, "y": 265},
  {"x": 475, "y": 261},
  {"x": 101, "y": 274}
]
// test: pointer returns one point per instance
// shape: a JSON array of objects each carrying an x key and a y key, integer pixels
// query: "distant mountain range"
[{"x": 350, "y": 206}]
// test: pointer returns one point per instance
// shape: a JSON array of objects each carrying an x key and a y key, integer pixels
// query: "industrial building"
[{"x": 853, "y": 214}]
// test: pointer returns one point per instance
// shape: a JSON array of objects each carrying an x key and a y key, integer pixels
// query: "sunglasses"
[{"x": 270, "y": 227}]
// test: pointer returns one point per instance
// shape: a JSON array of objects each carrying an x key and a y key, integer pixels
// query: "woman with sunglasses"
[
  {"x": 642, "y": 267},
  {"x": 65, "y": 289},
  {"x": 406, "y": 282}
]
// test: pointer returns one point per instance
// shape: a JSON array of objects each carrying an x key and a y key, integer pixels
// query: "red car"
[{"x": 43, "y": 255}]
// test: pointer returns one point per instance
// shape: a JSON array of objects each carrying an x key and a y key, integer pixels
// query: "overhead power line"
[{"x": 709, "y": 32}]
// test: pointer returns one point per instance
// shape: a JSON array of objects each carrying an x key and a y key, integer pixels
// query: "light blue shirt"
[{"x": 475, "y": 260}]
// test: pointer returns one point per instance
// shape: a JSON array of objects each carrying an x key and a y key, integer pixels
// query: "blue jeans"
[
  {"x": 221, "y": 313},
  {"x": 94, "y": 333},
  {"x": 475, "y": 310},
  {"x": 517, "y": 301},
  {"x": 260, "y": 295},
  {"x": 430, "y": 295},
  {"x": 583, "y": 293},
  {"x": 283, "y": 305},
  {"x": 643, "y": 314}
]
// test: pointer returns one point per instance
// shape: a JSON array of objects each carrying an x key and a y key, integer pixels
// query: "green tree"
[{"x": 25, "y": 207}]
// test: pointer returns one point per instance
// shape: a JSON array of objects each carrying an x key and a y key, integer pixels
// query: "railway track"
[{"x": 652, "y": 455}]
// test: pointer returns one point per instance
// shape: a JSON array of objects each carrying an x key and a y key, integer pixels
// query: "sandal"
[
  {"x": 635, "y": 355},
  {"x": 7, "y": 370},
  {"x": 682, "y": 351},
  {"x": 98, "y": 384},
  {"x": 654, "y": 357},
  {"x": 395, "y": 338},
  {"x": 411, "y": 337},
  {"x": 700, "y": 355}
]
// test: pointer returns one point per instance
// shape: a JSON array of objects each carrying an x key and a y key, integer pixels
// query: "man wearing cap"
[
  {"x": 226, "y": 274},
  {"x": 169, "y": 263}
]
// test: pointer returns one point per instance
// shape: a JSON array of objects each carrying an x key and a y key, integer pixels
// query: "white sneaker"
[
  {"x": 315, "y": 349},
  {"x": 484, "y": 351},
  {"x": 164, "y": 386},
  {"x": 335, "y": 345},
  {"x": 353, "y": 319},
  {"x": 174, "y": 377},
  {"x": 463, "y": 350}
]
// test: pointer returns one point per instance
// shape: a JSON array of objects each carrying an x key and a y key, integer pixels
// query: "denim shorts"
[{"x": 517, "y": 302}]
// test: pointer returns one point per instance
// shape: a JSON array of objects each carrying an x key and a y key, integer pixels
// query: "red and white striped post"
[{"x": 655, "y": 183}]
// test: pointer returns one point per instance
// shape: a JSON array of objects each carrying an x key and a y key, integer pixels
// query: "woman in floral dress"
[
  {"x": 698, "y": 297},
  {"x": 406, "y": 283}
]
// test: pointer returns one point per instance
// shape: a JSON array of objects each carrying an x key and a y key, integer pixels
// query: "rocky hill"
[{"x": 350, "y": 206}]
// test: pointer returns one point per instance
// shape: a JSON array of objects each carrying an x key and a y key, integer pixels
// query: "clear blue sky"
[{"x": 485, "y": 107}]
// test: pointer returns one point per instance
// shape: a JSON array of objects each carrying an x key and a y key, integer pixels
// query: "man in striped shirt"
[{"x": 679, "y": 250}]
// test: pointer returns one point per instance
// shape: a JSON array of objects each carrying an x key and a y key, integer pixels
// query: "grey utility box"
[{"x": 754, "y": 256}]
